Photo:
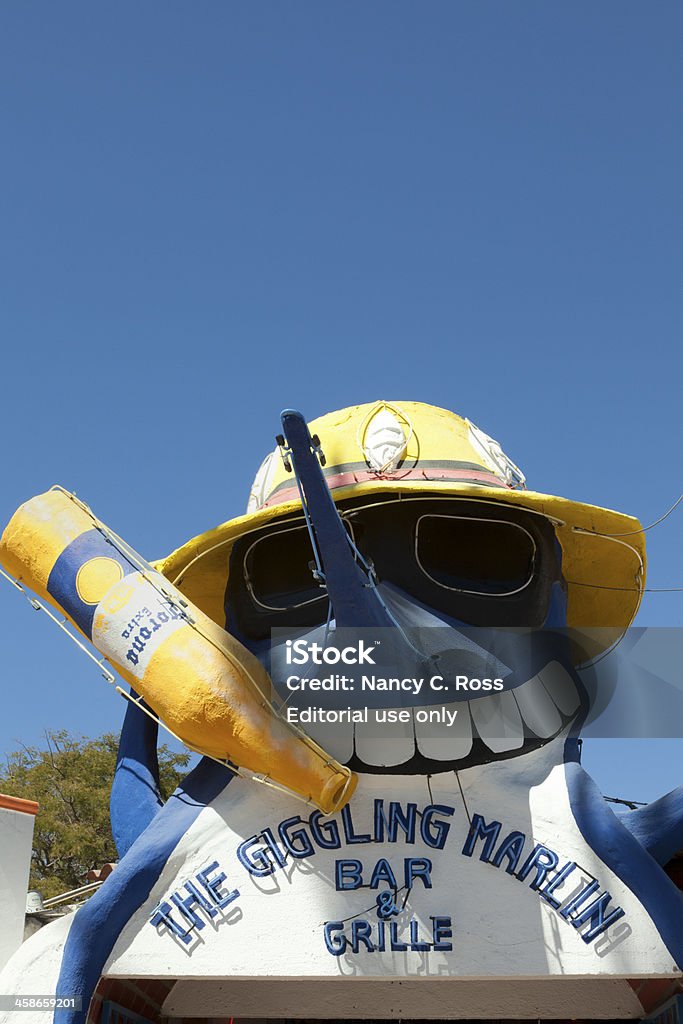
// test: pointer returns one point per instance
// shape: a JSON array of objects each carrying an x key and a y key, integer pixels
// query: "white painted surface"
[
  {"x": 384, "y": 443},
  {"x": 135, "y": 598},
  {"x": 16, "y": 838},
  {"x": 501, "y": 927},
  {"x": 513, "y": 955},
  {"x": 419, "y": 999},
  {"x": 34, "y": 970}
]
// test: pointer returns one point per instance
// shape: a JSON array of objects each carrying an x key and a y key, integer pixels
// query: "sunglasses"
[{"x": 461, "y": 557}]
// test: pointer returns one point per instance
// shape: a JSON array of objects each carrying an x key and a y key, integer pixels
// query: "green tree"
[{"x": 71, "y": 780}]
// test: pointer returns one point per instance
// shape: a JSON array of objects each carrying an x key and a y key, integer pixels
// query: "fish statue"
[{"x": 393, "y": 636}]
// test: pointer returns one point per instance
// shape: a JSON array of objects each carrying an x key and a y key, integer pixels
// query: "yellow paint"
[
  {"x": 189, "y": 685},
  {"x": 37, "y": 534},
  {"x": 204, "y": 685},
  {"x": 592, "y": 563},
  {"x": 96, "y": 577}
]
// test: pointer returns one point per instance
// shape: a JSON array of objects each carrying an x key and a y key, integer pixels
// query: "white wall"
[
  {"x": 501, "y": 927},
  {"x": 16, "y": 836}
]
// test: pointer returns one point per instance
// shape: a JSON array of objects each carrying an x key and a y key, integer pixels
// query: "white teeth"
[
  {"x": 560, "y": 686},
  {"x": 336, "y": 738},
  {"x": 538, "y": 710},
  {"x": 446, "y": 742},
  {"x": 498, "y": 721},
  {"x": 383, "y": 744}
]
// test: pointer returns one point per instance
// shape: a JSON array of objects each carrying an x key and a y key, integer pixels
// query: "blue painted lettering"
[
  {"x": 433, "y": 831},
  {"x": 350, "y": 835},
  {"x": 511, "y": 847},
  {"x": 203, "y": 892},
  {"x": 325, "y": 833},
  {"x": 390, "y": 823},
  {"x": 480, "y": 830},
  {"x": 544, "y": 860},
  {"x": 347, "y": 874},
  {"x": 296, "y": 840},
  {"x": 595, "y": 913}
]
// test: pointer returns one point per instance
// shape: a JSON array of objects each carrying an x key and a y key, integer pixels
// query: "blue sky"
[{"x": 213, "y": 211}]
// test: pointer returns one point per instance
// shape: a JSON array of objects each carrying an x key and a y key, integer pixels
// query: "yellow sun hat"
[{"x": 414, "y": 449}]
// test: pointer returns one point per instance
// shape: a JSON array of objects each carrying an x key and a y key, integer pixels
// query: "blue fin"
[
  {"x": 135, "y": 794},
  {"x": 99, "y": 922},
  {"x": 658, "y": 826}
]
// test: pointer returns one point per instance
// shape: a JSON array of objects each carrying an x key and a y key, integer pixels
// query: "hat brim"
[{"x": 603, "y": 552}]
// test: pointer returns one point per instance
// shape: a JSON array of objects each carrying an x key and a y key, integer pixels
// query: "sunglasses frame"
[
  {"x": 346, "y": 514},
  {"x": 248, "y": 581},
  {"x": 474, "y": 519}
]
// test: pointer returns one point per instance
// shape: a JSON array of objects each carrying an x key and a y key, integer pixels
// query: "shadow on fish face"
[{"x": 471, "y": 590}]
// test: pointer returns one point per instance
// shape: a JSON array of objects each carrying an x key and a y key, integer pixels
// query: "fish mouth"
[
  {"x": 435, "y": 737},
  {"x": 528, "y": 692}
]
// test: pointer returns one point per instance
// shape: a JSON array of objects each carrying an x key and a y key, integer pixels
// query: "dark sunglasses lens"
[
  {"x": 474, "y": 556},
  {"x": 277, "y": 570}
]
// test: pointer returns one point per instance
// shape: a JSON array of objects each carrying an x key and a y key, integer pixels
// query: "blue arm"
[
  {"x": 658, "y": 826},
  {"x": 135, "y": 793}
]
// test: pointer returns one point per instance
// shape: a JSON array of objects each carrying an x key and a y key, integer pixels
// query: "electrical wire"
[
  {"x": 644, "y": 529},
  {"x": 628, "y": 590}
]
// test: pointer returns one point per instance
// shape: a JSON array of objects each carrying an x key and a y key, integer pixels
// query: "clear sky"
[{"x": 213, "y": 211}]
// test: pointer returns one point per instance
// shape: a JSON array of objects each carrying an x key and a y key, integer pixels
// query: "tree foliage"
[{"x": 71, "y": 781}]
